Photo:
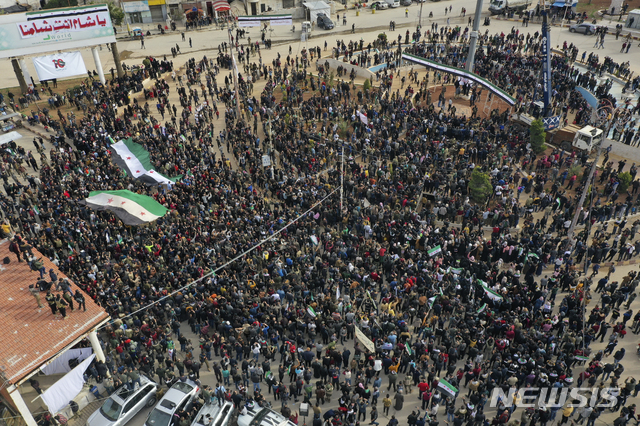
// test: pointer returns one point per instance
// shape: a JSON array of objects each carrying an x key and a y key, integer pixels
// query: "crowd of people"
[{"x": 320, "y": 274}]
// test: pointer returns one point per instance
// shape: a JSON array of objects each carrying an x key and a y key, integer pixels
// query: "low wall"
[{"x": 334, "y": 64}]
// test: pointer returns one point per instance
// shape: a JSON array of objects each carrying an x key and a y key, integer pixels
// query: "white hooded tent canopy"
[
  {"x": 633, "y": 20},
  {"x": 316, "y": 7}
]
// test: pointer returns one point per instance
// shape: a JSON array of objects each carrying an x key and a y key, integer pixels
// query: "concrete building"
[{"x": 32, "y": 337}]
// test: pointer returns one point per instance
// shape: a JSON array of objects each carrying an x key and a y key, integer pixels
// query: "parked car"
[
  {"x": 215, "y": 415},
  {"x": 124, "y": 404},
  {"x": 585, "y": 28},
  {"x": 393, "y": 3},
  {"x": 180, "y": 396},
  {"x": 258, "y": 416},
  {"x": 379, "y": 4},
  {"x": 406, "y": 2},
  {"x": 325, "y": 22}
]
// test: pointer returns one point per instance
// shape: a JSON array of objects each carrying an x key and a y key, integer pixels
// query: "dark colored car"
[{"x": 325, "y": 22}]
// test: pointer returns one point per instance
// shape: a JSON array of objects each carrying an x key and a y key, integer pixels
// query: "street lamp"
[{"x": 615, "y": 118}]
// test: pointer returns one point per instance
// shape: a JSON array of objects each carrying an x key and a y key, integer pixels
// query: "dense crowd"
[{"x": 277, "y": 274}]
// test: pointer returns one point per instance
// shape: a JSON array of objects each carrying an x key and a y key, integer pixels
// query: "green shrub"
[
  {"x": 575, "y": 169},
  {"x": 537, "y": 136},
  {"x": 480, "y": 187},
  {"x": 625, "y": 180}
]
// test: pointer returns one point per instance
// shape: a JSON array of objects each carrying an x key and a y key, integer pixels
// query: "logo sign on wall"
[
  {"x": 66, "y": 64},
  {"x": 43, "y": 32}
]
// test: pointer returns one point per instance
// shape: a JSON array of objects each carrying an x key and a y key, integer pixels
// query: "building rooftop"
[{"x": 31, "y": 335}]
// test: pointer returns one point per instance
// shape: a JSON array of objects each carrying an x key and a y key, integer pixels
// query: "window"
[
  {"x": 288, "y": 4},
  {"x": 111, "y": 409},
  {"x": 129, "y": 405},
  {"x": 182, "y": 387}
]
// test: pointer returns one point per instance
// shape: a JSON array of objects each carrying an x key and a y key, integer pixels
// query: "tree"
[
  {"x": 117, "y": 15},
  {"x": 625, "y": 180},
  {"x": 367, "y": 85},
  {"x": 55, "y": 4},
  {"x": 343, "y": 129},
  {"x": 480, "y": 187},
  {"x": 537, "y": 136}
]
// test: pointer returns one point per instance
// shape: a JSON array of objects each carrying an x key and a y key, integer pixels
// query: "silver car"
[
  {"x": 585, "y": 28},
  {"x": 258, "y": 416},
  {"x": 179, "y": 397},
  {"x": 214, "y": 414},
  {"x": 124, "y": 404}
]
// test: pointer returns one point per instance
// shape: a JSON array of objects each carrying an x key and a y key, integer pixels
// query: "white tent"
[
  {"x": 633, "y": 20},
  {"x": 316, "y": 7},
  {"x": 8, "y": 137}
]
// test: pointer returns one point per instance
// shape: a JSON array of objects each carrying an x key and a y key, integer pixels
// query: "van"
[
  {"x": 124, "y": 404},
  {"x": 220, "y": 415}
]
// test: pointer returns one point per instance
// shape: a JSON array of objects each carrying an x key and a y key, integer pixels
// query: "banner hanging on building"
[
  {"x": 65, "y": 64},
  {"x": 255, "y": 21}
]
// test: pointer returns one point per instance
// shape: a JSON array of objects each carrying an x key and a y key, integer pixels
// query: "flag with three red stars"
[
  {"x": 131, "y": 208},
  {"x": 134, "y": 160}
]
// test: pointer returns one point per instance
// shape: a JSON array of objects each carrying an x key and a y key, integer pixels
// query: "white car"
[
  {"x": 379, "y": 5},
  {"x": 180, "y": 396},
  {"x": 393, "y": 3},
  {"x": 124, "y": 404}
]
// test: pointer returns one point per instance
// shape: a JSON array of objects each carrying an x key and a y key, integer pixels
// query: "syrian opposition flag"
[
  {"x": 434, "y": 251},
  {"x": 311, "y": 312},
  {"x": 134, "y": 160},
  {"x": 492, "y": 294},
  {"x": 482, "y": 308},
  {"x": 131, "y": 208},
  {"x": 447, "y": 387},
  {"x": 432, "y": 301}
]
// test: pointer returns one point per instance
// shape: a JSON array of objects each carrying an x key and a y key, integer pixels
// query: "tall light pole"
[
  {"x": 234, "y": 71},
  {"x": 473, "y": 37},
  {"x": 606, "y": 113}
]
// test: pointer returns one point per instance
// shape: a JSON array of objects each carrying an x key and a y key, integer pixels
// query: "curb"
[{"x": 567, "y": 25}]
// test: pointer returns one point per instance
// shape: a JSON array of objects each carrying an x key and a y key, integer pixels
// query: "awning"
[
  {"x": 221, "y": 5},
  {"x": 11, "y": 136},
  {"x": 588, "y": 96},
  {"x": 315, "y": 5},
  {"x": 568, "y": 3}
]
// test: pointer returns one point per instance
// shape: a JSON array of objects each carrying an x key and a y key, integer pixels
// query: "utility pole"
[
  {"x": 602, "y": 116},
  {"x": 473, "y": 37},
  {"x": 420, "y": 16}
]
